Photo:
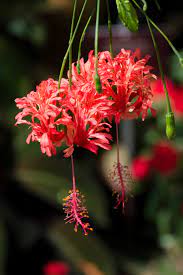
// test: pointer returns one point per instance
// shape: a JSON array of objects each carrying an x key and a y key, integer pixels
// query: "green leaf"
[{"x": 127, "y": 15}]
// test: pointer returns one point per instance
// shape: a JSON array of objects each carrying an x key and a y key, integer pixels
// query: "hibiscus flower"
[
  {"x": 86, "y": 127},
  {"x": 43, "y": 115},
  {"x": 126, "y": 79}
]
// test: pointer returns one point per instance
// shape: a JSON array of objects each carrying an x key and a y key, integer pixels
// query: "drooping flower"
[
  {"x": 78, "y": 115},
  {"x": 43, "y": 115},
  {"x": 165, "y": 158},
  {"x": 126, "y": 79},
  {"x": 86, "y": 127}
]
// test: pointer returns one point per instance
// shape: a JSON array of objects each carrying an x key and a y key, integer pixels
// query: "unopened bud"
[
  {"x": 170, "y": 125},
  {"x": 98, "y": 84}
]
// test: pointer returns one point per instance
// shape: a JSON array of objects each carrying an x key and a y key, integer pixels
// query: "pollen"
[{"x": 76, "y": 212}]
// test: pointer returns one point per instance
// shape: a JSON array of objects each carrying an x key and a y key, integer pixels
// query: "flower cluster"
[{"x": 77, "y": 115}]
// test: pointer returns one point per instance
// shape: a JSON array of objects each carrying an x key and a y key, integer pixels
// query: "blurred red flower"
[
  {"x": 175, "y": 93},
  {"x": 141, "y": 167},
  {"x": 164, "y": 158},
  {"x": 56, "y": 268}
]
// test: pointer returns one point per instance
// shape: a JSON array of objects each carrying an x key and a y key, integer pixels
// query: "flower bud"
[{"x": 170, "y": 125}]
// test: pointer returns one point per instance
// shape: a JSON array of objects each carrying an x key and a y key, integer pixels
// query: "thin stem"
[
  {"x": 96, "y": 36},
  {"x": 169, "y": 109},
  {"x": 70, "y": 51},
  {"x": 74, "y": 200},
  {"x": 144, "y": 5},
  {"x": 109, "y": 28},
  {"x": 78, "y": 211},
  {"x": 81, "y": 40},
  {"x": 70, "y": 45},
  {"x": 73, "y": 175},
  {"x": 98, "y": 84},
  {"x": 162, "y": 33},
  {"x": 157, "y": 4}
]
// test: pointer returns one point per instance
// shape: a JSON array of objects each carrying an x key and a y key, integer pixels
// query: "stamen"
[
  {"x": 122, "y": 181},
  {"x": 76, "y": 212}
]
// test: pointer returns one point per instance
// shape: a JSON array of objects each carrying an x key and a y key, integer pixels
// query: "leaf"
[{"x": 127, "y": 15}]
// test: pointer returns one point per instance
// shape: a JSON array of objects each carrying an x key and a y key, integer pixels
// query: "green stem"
[
  {"x": 98, "y": 85},
  {"x": 157, "y": 4},
  {"x": 169, "y": 109},
  {"x": 162, "y": 33},
  {"x": 170, "y": 121},
  {"x": 97, "y": 35},
  {"x": 70, "y": 45},
  {"x": 144, "y": 5},
  {"x": 109, "y": 28},
  {"x": 70, "y": 51},
  {"x": 80, "y": 42}
]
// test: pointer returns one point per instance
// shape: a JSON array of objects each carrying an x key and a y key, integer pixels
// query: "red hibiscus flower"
[
  {"x": 41, "y": 112},
  {"x": 165, "y": 158},
  {"x": 126, "y": 79},
  {"x": 86, "y": 127},
  {"x": 175, "y": 93},
  {"x": 85, "y": 78},
  {"x": 141, "y": 166},
  {"x": 56, "y": 268}
]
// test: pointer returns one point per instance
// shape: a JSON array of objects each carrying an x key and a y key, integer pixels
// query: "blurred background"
[{"x": 148, "y": 238}]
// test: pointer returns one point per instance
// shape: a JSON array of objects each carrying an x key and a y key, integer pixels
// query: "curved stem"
[
  {"x": 96, "y": 36},
  {"x": 162, "y": 33},
  {"x": 169, "y": 109},
  {"x": 98, "y": 84},
  {"x": 70, "y": 44},
  {"x": 70, "y": 51},
  {"x": 81, "y": 40}
]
